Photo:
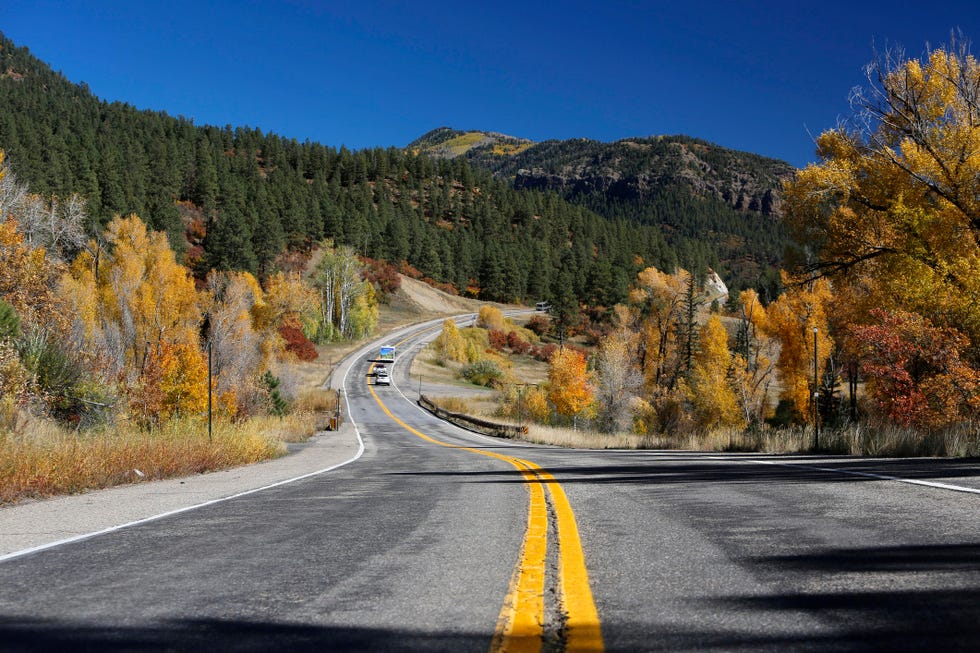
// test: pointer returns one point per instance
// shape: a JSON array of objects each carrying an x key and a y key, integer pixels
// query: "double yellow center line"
[{"x": 520, "y": 626}]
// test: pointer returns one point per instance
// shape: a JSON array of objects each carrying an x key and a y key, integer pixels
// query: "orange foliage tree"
[
  {"x": 28, "y": 281},
  {"x": 172, "y": 383},
  {"x": 568, "y": 383},
  {"x": 791, "y": 320}
]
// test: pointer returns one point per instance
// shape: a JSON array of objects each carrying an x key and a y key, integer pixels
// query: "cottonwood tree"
[
  {"x": 569, "y": 388},
  {"x": 710, "y": 391},
  {"x": 891, "y": 211},
  {"x": 236, "y": 345},
  {"x": 28, "y": 281},
  {"x": 617, "y": 380},
  {"x": 348, "y": 305},
  {"x": 658, "y": 298},
  {"x": 56, "y": 225},
  {"x": 791, "y": 320},
  {"x": 140, "y": 297},
  {"x": 753, "y": 359}
]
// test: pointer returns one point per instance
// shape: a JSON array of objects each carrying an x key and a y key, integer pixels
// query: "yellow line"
[
  {"x": 575, "y": 595},
  {"x": 521, "y": 620}
]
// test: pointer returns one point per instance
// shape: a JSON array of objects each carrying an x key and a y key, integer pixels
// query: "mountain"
[
  {"x": 448, "y": 143},
  {"x": 714, "y": 205},
  {"x": 239, "y": 198}
]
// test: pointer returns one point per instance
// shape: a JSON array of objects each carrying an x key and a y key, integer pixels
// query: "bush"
[
  {"x": 277, "y": 405},
  {"x": 544, "y": 353},
  {"x": 384, "y": 276},
  {"x": 517, "y": 344},
  {"x": 9, "y": 321},
  {"x": 498, "y": 339},
  {"x": 490, "y": 317},
  {"x": 539, "y": 324},
  {"x": 55, "y": 374},
  {"x": 484, "y": 372},
  {"x": 297, "y": 343}
]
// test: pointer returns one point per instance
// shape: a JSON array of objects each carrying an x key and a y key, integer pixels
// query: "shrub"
[
  {"x": 483, "y": 372},
  {"x": 544, "y": 352},
  {"x": 383, "y": 275},
  {"x": 297, "y": 343},
  {"x": 498, "y": 339},
  {"x": 539, "y": 324},
  {"x": 490, "y": 317},
  {"x": 277, "y": 405},
  {"x": 517, "y": 344},
  {"x": 55, "y": 373},
  {"x": 9, "y": 321}
]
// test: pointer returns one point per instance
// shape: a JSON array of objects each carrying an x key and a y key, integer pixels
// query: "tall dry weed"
[
  {"x": 45, "y": 460},
  {"x": 865, "y": 439}
]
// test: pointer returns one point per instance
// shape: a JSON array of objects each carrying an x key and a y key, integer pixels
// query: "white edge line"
[
  {"x": 880, "y": 477},
  {"x": 111, "y": 529}
]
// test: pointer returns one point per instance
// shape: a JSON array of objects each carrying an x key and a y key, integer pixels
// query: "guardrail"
[{"x": 473, "y": 423}]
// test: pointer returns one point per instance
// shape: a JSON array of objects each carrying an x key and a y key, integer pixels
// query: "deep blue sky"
[{"x": 758, "y": 76}]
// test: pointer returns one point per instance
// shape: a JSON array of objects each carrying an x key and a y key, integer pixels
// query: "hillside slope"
[{"x": 715, "y": 206}]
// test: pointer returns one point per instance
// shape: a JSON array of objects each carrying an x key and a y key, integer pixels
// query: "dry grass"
[
  {"x": 581, "y": 439},
  {"x": 858, "y": 440},
  {"x": 44, "y": 460}
]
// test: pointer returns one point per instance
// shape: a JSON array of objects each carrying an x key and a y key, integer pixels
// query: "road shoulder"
[{"x": 35, "y": 524}]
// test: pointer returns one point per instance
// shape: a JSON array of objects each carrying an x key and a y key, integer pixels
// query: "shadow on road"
[
  {"x": 674, "y": 469},
  {"x": 862, "y": 599},
  {"x": 25, "y": 634}
]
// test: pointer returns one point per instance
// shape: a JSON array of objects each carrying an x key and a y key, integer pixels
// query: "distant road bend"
[{"x": 437, "y": 539}]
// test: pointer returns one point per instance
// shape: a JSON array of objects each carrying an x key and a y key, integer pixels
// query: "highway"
[{"x": 437, "y": 539}]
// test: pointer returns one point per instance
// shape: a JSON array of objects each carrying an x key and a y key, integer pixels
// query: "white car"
[{"x": 381, "y": 376}]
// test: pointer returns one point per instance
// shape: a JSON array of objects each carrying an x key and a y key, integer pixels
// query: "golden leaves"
[{"x": 569, "y": 388}]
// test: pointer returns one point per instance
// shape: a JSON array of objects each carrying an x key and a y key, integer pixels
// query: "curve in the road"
[{"x": 520, "y": 626}]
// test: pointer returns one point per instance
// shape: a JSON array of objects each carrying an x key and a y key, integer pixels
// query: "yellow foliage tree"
[
  {"x": 240, "y": 350},
  {"x": 451, "y": 343},
  {"x": 290, "y": 300},
  {"x": 892, "y": 210},
  {"x": 658, "y": 298},
  {"x": 617, "y": 380},
  {"x": 568, "y": 383},
  {"x": 753, "y": 361},
  {"x": 791, "y": 320},
  {"x": 144, "y": 291},
  {"x": 709, "y": 390}
]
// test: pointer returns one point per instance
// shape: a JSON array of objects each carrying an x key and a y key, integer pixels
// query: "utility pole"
[
  {"x": 816, "y": 395},
  {"x": 209, "y": 391}
]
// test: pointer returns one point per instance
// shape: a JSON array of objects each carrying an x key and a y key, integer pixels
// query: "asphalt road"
[{"x": 416, "y": 546}]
